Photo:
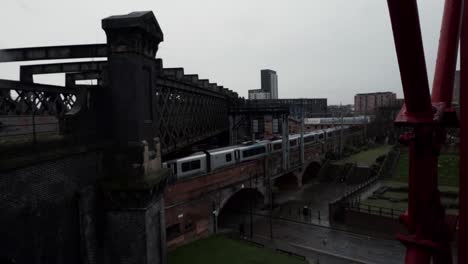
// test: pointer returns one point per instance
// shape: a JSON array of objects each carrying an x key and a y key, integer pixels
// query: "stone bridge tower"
[{"x": 134, "y": 184}]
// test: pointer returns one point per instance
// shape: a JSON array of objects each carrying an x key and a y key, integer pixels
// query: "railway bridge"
[{"x": 80, "y": 164}]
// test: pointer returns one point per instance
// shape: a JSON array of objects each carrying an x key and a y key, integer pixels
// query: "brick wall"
[{"x": 190, "y": 202}]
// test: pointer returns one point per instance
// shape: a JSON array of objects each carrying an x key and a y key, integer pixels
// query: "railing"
[
  {"x": 389, "y": 163},
  {"x": 376, "y": 210},
  {"x": 17, "y": 98}
]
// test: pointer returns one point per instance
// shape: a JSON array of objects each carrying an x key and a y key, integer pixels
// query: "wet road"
[
  {"x": 314, "y": 238},
  {"x": 335, "y": 242},
  {"x": 314, "y": 195}
]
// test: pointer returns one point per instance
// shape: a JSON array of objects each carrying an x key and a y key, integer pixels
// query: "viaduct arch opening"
[
  {"x": 237, "y": 208},
  {"x": 311, "y": 172},
  {"x": 286, "y": 182}
]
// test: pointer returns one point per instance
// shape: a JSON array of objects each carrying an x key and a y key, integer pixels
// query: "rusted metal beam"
[
  {"x": 34, "y": 87},
  {"x": 64, "y": 67},
  {"x": 27, "y": 71},
  {"x": 191, "y": 77},
  {"x": 54, "y": 53},
  {"x": 409, "y": 47},
  {"x": 189, "y": 87},
  {"x": 442, "y": 88},
  {"x": 177, "y": 73},
  {"x": 71, "y": 78}
]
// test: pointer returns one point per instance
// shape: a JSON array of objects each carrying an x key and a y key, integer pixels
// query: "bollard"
[{"x": 305, "y": 210}]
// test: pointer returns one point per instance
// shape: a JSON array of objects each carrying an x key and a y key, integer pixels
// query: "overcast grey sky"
[{"x": 319, "y": 48}]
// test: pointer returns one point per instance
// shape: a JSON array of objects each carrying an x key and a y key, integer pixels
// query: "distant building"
[
  {"x": 311, "y": 124},
  {"x": 340, "y": 110},
  {"x": 368, "y": 103},
  {"x": 269, "y": 86},
  {"x": 270, "y": 82},
  {"x": 312, "y": 107},
  {"x": 259, "y": 95},
  {"x": 399, "y": 102}
]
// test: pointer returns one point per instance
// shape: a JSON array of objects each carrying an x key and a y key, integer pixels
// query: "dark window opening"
[
  {"x": 188, "y": 225},
  {"x": 277, "y": 146},
  {"x": 253, "y": 151},
  {"x": 228, "y": 157},
  {"x": 173, "y": 231},
  {"x": 293, "y": 143},
  {"x": 191, "y": 165}
]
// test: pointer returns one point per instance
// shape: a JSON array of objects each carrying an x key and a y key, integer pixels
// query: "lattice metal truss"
[
  {"x": 187, "y": 109},
  {"x": 18, "y": 98},
  {"x": 188, "y": 113},
  {"x": 26, "y": 97}
]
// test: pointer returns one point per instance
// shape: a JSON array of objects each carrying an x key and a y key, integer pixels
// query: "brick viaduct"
[{"x": 193, "y": 204}]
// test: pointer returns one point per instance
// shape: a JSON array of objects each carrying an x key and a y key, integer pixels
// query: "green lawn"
[
  {"x": 366, "y": 158},
  {"x": 220, "y": 249},
  {"x": 448, "y": 169},
  {"x": 396, "y": 198}
]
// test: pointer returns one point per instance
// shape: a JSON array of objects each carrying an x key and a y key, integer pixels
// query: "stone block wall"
[{"x": 41, "y": 204}]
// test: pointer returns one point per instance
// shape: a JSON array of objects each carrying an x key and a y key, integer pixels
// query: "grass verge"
[{"x": 221, "y": 249}]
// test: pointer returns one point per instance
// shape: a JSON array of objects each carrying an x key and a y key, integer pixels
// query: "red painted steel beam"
[
  {"x": 442, "y": 88},
  {"x": 409, "y": 47},
  {"x": 430, "y": 231},
  {"x": 463, "y": 188}
]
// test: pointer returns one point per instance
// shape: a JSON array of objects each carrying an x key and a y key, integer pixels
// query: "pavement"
[{"x": 315, "y": 196}]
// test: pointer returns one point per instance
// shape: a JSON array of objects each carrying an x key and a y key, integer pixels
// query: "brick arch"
[
  {"x": 230, "y": 195},
  {"x": 232, "y": 206},
  {"x": 310, "y": 171},
  {"x": 288, "y": 181},
  {"x": 305, "y": 169}
]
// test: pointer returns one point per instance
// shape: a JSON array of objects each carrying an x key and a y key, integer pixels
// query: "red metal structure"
[{"x": 430, "y": 230}]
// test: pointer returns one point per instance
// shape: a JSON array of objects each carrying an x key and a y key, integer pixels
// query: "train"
[{"x": 209, "y": 160}]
